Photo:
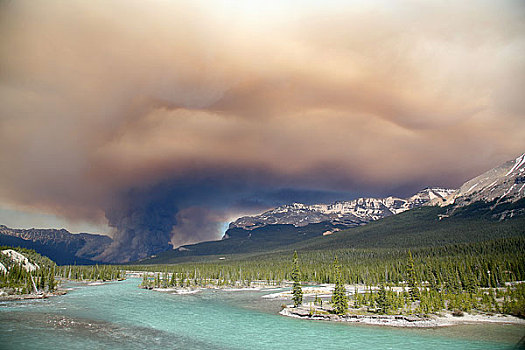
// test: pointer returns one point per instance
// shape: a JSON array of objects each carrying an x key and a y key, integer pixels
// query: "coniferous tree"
[
  {"x": 413, "y": 290},
  {"x": 42, "y": 285},
  {"x": 471, "y": 283},
  {"x": 339, "y": 298},
  {"x": 317, "y": 300},
  {"x": 144, "y": 279},
  {"x": 382, "y": 300},
  {"x": 432, "y": 280},
  {"x": 51, "y": 284},
  {"x": 29, "y": 286},
  {"x": 297, "y": 291}
]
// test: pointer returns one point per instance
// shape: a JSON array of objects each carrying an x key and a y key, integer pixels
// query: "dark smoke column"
[{"x": 143, "y": 220}]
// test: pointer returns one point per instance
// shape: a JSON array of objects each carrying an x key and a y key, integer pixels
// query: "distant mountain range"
[
  {"x": 60, "y": 245},
  {"x": 489, "y": 206},
  {"x": 503, "y": 184},
  {"x": 344, "y": 214}
]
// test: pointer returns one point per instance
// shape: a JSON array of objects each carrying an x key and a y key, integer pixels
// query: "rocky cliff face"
[
  {"x": 19, "y": 259},
  {"x": 347, "y": 213},
  {"x": 499, "y": 192},
  {"x": 503, "y": 184}
]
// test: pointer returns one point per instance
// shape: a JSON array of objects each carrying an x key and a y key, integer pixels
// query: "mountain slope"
[
  {"x": 60, "y": 245},
  {"x": 420, "y": 227},
  {"x": 503, "y": 184}
]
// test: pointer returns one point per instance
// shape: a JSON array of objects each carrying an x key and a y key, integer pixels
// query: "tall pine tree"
[
  {"x": 339, "y": 298},
  {"x": 413, "y": 290},
  {"x": 382, "y": 300},
  {"x": 51, "y": 284},
  {"x": 297, "y": 291}
]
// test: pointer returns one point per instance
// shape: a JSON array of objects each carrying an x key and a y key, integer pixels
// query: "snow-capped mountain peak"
[
  {"x": 505, "y": 183},
  {"x": 346, "y": 213}
]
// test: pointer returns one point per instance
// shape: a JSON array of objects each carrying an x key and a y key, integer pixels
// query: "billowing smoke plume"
[
  {"x": 142, "y": 225},
  {"x": 164, "y": 119}
]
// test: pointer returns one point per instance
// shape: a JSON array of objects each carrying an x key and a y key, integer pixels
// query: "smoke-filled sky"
[{"x": 161, "y": 120}]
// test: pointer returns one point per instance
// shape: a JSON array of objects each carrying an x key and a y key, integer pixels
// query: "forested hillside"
[
  {"x": 36, "y": 275},
  {"x": 421, "y": 227}
]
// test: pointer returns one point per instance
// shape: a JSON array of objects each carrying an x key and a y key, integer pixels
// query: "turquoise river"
[{"x": 119, "y": 315}]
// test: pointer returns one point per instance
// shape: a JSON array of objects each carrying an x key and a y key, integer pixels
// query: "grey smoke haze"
[
  {"x": 164, "y": 119},
  {"x": 142, "y": 222}
]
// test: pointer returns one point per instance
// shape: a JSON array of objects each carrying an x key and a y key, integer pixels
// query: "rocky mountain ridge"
[
  {"x": 352, "y": 213},
  {"x": 500, "y": 185},
  {"x": 505, "y": 183},
  {"x": 501, "y": 189},
  {"x": 61, "y": 245}
]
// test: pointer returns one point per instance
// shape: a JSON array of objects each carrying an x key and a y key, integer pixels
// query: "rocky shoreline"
[
  {"x": 311, "y": 313},
  {"x": 196, "y": 289},
  {"x": 322, "y": 314},
  {"x": 13, "y": 297}
]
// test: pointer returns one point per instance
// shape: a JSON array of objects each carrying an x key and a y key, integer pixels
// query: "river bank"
[
  {"x": 12, "y": 297},
  {"x": 4, "y": 296},
  {"x": 313, "y": 312},
  {"x": 197, "y": 289}
]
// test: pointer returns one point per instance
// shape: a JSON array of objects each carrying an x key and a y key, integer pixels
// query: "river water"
[{"x": 119, "y": 315}]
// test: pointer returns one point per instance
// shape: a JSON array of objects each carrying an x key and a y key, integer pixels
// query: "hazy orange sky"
[{"x": 219, "y": 108}]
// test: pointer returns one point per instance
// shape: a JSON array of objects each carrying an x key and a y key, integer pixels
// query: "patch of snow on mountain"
[
  {"x": 500, "y": 184},
  {"x": 519, "y": 162},
  {"x": 471, "y": 187}
]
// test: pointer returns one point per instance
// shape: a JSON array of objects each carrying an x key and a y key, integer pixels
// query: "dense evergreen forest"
[
  {"x": 426, "y": 227},
  {"x": 90, "y": 273},
  {"x": 458, "y": 277},
  {"x": 489, "y": 264},
  {"x": 420, "y": 227}
]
